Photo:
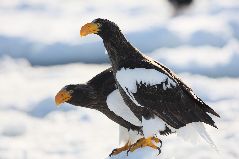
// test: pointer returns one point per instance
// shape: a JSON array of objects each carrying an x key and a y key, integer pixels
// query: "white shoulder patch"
[
  {"x": 116, "y": 104},
  {"x": 127, "y": 78}
]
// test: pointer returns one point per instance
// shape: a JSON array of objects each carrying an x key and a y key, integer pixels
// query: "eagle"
[
  {"x": 154, "y": 93},
  {"x": 101, "y": 94}
]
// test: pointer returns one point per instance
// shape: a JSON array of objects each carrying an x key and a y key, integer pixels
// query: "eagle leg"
[
  {"x": 143, "y": 142},
  {"x": 121, "y": 149}
]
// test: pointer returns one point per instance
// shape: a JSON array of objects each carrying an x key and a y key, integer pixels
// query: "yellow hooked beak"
[
  {"x": 89, "y": 28},
  {"x": 62, "y": 96}
]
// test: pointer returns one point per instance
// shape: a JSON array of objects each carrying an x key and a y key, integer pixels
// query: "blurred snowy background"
[{"x": 41, "y": 51}]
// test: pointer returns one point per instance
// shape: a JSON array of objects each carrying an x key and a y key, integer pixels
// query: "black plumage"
[
  {"x": 177, "y": 105},
  {"x": 93, "y": 95}
]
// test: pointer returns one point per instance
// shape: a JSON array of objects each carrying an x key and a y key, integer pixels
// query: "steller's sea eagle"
[
  {"x": 151, "y": 90},
  {"x": 100, "y": 93}
]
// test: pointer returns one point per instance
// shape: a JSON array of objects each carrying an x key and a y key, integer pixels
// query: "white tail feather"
[
  {"x": 203, "y": 133},
  {"x": 191, "y": 131}
]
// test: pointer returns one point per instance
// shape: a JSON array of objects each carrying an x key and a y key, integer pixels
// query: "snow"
[
  {"x": 71, "y": 132},
  {"x": 206, "y": 60},
  {"x": 201, "y": 44},
  {"x": 47, "y": 33},
  {"x": 145, "y": 153},
  {"x": 116, "y": 104}
]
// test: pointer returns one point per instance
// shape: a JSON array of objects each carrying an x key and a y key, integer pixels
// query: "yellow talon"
[
  {"x": 143, "y": 142},
  {"x": 121, "y": 149}
]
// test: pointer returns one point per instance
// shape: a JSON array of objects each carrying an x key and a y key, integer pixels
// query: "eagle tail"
[
  {"x": 192, "y": 131},
  {"x": 199, "y": 127}
]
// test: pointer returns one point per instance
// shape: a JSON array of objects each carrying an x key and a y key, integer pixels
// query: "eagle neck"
[{"x": 119, "y": 50}]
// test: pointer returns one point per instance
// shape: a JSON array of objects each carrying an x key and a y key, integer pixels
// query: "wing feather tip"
[
  {"x": 213, "y": 112},
  {"x": 215, "y": 126}
]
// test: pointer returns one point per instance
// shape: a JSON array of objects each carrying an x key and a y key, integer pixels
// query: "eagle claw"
[
  {"x": 159, "y": 150},
  {"x": 143, "y": 142},
  {"x": 119, "y": 150},
  {"x": 112, "y": 153}
]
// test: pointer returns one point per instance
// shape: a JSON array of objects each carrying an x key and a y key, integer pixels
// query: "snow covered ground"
[
  {"x": 32, "y": 127},
  {"x": 202, "y": 45}
]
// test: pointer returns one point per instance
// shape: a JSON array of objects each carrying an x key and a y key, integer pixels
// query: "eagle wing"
[
  {"x": 159, "y": 90},
  {"x": 173, "y": 105}
]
